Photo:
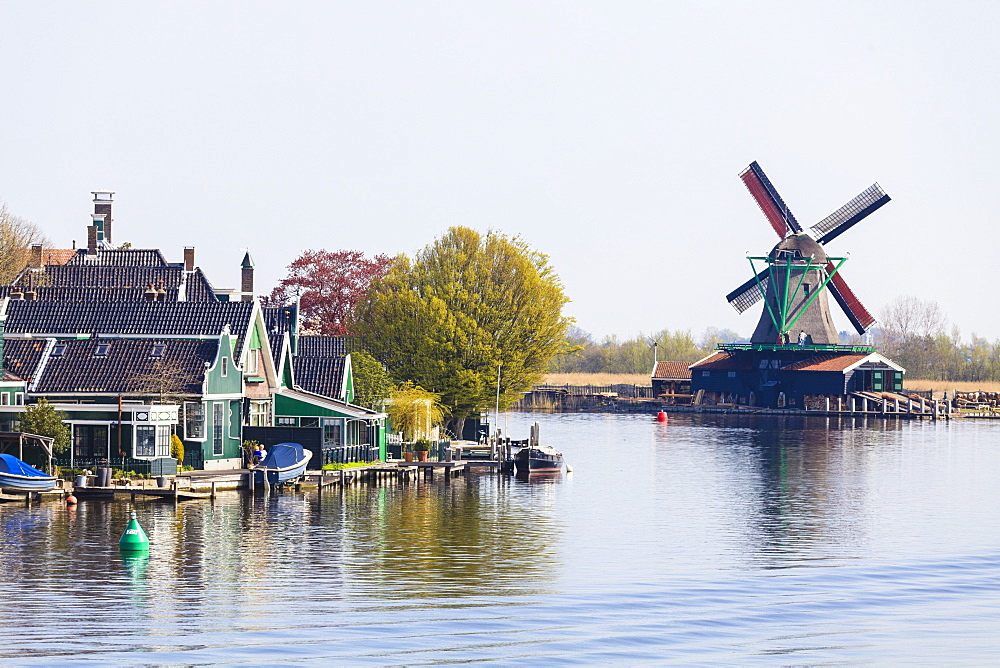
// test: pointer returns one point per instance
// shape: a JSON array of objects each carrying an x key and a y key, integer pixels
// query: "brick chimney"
[
  {"x": 149, "y": 294},
  {"x": 189, "y": 258},
  {"x": 246, "y": 282},
  {"x": 92, "y": 240},
  {"x": 102, "y": 207},
  {"x": 36, "y": 256}
]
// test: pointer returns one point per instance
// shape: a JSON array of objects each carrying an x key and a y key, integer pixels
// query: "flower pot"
[
  {"x": 422, "y": 455},
  {"x": 408, "y": 456}
]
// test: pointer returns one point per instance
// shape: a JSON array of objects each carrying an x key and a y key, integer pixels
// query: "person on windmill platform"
[{"x": 802, "y": 337}]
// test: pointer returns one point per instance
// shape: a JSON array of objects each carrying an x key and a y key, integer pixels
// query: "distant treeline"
[
  {"x": 913, "y": 333},
  {"x": 916, "y": 335},
  {"x": 611, "y": 355}
]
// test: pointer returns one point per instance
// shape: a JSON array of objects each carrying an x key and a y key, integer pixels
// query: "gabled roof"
[
  {"x": 110, "y": 366},
  {"x": 842, "y": 363},
  {"x": 135, "y": 319},
  {"x": 327, "y": 402},
  {"x": 672, "y": 371},
  {"x": 320, "y": 375},
  {"x": 317, "y": 345},
  {"x": 723, "y": 360},
  {"x": 131, "y": 257},
  {"x": 21, "y": 356},
  {"x": 825, "y": 363}
]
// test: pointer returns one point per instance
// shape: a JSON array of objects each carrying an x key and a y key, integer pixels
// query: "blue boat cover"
[
  {"x": 11, "y": 464},
  {"x": 283, "y": 455}
]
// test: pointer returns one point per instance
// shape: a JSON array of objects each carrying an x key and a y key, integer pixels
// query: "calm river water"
[{"x": 712, "y": 539}]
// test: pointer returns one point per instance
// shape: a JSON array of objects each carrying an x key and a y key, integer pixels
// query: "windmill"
[{"x": 798, "y": 275}]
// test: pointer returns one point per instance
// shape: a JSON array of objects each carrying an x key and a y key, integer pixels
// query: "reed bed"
[{"x": 597, "y": 379}]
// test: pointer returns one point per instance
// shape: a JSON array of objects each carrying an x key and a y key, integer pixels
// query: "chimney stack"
[
  {"x": 102, "y": 207},
  {"x": 246, "y": 282},
  {"x": 92, "y": 240},
  {"x": 149, "y": 294},
  {"x": 36, "y": 256},
  {"x": 189, "y": 258}
]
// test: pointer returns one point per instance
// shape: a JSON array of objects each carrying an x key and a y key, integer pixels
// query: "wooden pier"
[
  {"x": 8, "y": 495},
  {"x": 197, "y": 485}
]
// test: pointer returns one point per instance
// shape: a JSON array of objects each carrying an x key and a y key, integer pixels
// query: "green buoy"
[{"x": 134, "y": 539}]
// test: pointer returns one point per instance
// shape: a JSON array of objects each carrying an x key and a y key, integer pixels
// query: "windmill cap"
[{"x": 802, "y": 243}]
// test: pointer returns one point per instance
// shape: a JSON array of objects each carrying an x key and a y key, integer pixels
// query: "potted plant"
[
  {"x": 408, "y": 452},
  {"x": 423, "y": 447}
]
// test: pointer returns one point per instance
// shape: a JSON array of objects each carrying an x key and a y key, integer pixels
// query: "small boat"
[
  {"x": 538, "y": 459},
  {"x": 284, "y": 462},
  {"x": 15, "y": 474}
]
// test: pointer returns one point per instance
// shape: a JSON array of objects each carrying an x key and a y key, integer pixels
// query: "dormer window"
[
  {"x": 102, "y": 349},
  {"x": 58, "y": 351},
  {"x": 157, "y": 350}
]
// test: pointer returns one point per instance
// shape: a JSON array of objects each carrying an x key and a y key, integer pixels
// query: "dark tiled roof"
[
  {"x": 134, "y": 279},
  {"x": 21, "y": 356},
  {"x": 8, "y": 376},
  {"x": 140, "y": 318},
  {"x": 276, "y": 341},
  {"x": 320, "y": 375},
  {"x": 128, "y": 366},
  {"x": 826, "y": 363},
  {"x": 133, "y": 257},
  {"x": 87, "y": 294},
  {"x": 198, "y": 288},
  {"x": 672, "y": 370},
  {"x": 322, "y": 346},
  {"x": 279, "y": 319}
]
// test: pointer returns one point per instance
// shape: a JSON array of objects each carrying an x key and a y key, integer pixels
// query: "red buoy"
[
  {"x": 661, "y": 416},
  {"x": 70, "y": 500}
]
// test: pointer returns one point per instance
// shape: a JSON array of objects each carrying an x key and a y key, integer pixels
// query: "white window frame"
[
  {"x": 253, "y": 362},
  {"x": 218, "y": 427}
]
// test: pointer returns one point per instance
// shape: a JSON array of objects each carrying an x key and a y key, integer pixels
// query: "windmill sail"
[
  {"x": 769, "y": 201},
  {"x": 853, "y": 309},
  {"x": 749, "y": 293},
  {"x": 850, "y": 214}
]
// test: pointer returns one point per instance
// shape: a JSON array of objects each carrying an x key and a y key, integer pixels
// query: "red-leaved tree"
[{"x": 331, "y": 283}]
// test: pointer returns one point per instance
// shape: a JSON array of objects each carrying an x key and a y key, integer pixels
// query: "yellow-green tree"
[
  {"x": 414, "y": 411},
  {"x": 465, "y": 307}
]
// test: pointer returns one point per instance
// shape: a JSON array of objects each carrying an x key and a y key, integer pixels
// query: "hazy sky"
[{"x": 608, "y": 135}]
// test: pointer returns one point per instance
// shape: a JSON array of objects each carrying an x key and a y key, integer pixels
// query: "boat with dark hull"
[
  {"x": 15, "y": 474},
  {"x": 538, "y": 459},
  {"x": 284, "y": 462}
]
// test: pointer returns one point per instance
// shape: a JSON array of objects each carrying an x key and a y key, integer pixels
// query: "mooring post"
[{"x": 213, "y": 490}]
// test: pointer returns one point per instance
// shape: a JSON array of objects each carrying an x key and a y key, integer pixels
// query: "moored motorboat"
[
  {"x": 538, "y": 459},
  {"x": 15, "y": 474},
  {"x": 284, "y": 462}
]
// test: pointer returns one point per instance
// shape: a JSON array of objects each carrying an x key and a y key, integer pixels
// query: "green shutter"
[
  {"x": 877, "y": 383},
  {"x": 897, "y": 381}
]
